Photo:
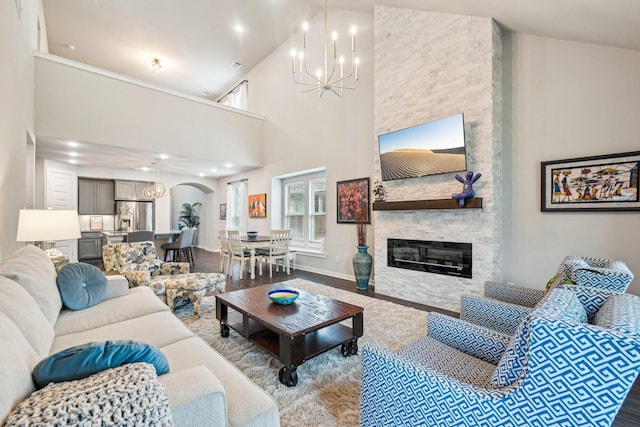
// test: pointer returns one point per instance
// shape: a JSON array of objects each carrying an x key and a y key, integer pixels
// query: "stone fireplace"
[{"x": 450, "y": 64}]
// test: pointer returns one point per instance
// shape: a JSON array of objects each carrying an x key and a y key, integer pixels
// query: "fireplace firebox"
[{"x": 450, "y": 258}]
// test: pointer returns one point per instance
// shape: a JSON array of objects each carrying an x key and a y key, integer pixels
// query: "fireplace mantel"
[{"x": 414, "y": 205}]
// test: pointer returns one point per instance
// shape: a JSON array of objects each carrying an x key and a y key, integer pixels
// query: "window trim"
[{"x": 317, "y": 247}]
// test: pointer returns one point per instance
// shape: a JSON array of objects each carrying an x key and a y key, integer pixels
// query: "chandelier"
[
  {"x": 333, "y": 77},
  {"x": 155, "y": 189}
]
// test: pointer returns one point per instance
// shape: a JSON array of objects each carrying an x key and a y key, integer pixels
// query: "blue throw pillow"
[
  {"x": 81, "y": 285},
  {"x": 81, "y": 361}
]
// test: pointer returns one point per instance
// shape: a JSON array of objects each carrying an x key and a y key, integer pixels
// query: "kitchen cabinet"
[
  {"x": 90, "y": 246},
  {"x": 130, "y": 190},
  {"x": 95, "y": 197}
]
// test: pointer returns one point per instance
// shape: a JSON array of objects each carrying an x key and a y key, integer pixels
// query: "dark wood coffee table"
[{"x": 294, "y": 333}]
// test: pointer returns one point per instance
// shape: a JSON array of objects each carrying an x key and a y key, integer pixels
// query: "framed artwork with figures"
[{"x": 597, "y": 183}]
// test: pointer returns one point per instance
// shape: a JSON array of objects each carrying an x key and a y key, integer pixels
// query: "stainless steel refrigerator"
[{"x": 132, "y": 216}]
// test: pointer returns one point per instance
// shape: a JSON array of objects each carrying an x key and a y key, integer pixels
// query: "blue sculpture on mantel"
[{"x": 467, "y": 188}]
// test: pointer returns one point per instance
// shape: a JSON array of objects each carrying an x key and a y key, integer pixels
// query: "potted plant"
[
  {"x": 188, "y": 216},
  {"x": 379, "y": 191},
  {"x": 362, "y": 261}
]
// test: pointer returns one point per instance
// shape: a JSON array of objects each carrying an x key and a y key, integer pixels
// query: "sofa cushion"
[
  {"x": 81, "y": 361},
  {"x": 158, "y": 329},
  {"x": 139, "y": 302},
  {"x": 620, "y": 313},
  {"x": 559, "y": 304},
  {"x": 16, "y": 363},
  {"x": 30, "y": 267},
  {"x": 17, "y": 304},
  {"x": 262, "y": 411},
  {"x": 126, "y": 395},
  {"x": 81, "y": 285}
]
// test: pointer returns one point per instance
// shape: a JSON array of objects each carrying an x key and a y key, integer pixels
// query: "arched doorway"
[{"x": 189, "y": 192}]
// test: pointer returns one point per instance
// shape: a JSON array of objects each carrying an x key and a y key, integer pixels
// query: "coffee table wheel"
[
  {"x": 349, "y": 348},
  {"x": 224, "y": 330},
  {"x": 288, "y": 377}
]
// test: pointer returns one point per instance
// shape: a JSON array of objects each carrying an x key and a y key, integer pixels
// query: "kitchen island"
[{"x": 160, "y": 238}]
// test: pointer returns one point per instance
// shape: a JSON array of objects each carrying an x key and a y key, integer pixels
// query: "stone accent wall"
[{"x": 431, "y": 65}]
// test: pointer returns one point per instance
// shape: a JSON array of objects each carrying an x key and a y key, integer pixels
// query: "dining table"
[{"x": 253, "y": 243}]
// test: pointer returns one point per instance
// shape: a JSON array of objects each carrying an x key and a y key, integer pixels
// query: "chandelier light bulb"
[
  {"x": 305, "y": 26},
  {"x": 294, "y": 53},
  {"x": 334, "y": 36}
]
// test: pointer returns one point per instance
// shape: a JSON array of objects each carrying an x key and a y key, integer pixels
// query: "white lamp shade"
[{"x": 47, "y": 225}]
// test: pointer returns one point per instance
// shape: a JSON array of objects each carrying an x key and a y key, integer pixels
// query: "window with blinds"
[{"x": 305, "y": 210}]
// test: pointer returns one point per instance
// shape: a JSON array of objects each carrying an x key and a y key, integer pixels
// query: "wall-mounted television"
[{"x": 431, "y": 148}]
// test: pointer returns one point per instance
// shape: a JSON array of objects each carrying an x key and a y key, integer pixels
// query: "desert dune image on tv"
[{"x": 431, "y": 148}]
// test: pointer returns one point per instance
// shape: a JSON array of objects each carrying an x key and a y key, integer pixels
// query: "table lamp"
[{"x": 49, "y": 226}]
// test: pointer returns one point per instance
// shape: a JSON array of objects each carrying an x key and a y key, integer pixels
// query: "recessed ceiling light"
[
  {"x": 155, "y": 65},
  {"x": 145, "y": 168},
  {"x": 73, "y": 161},
  {"x": 239, "y": 29},
  {"x": 72, "y": 144},
  {"x": 73, "y": 154},
  {"x": 214, "y": 170},
  {"x": 228, "y": 165},
  {"x": 201, "y": 175},
  {"x": 163, "y": 156}
]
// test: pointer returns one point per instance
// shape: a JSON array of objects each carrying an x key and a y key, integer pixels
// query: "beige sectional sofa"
[{"x": 203, "y": 388}]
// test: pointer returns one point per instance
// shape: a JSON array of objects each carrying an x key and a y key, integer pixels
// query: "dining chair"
[
  {"x": 140, "y": 236},
  {"x": 224, "y": 251},
  {"x": 179, "y": 246},
  {"x": 191, "y": 246},
  {"x": 278, "y": 250},
  {"x": 237, "y": 251}
]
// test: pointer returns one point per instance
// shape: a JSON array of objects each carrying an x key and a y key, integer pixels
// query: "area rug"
[{"x": 328, "y": 389}]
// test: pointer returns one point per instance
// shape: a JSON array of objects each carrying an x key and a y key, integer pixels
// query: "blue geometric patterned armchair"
[
  {"x": 602, "y": 273},
  {"x": 556, "y": 369}
]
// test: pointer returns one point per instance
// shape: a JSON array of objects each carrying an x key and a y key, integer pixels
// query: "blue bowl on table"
[
  {"x": 283, "y": 296},
  {"x": 252, "y": 234}
]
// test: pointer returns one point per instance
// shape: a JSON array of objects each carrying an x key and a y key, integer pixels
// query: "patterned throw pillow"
[
  {"x": 620, "y": 313},
  {"x": 560, "y": 304},
  {"x": 129, "y": 395}
]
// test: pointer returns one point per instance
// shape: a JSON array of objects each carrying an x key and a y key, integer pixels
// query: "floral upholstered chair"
[
  {"x": 139, "y": 263},
  {"x": 567, "y": 363}
]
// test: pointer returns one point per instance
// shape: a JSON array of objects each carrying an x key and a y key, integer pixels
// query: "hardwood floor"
[{"x": 205, "y": 261}]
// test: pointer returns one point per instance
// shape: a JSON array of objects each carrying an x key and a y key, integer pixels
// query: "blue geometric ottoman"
[{"x": 193, "y": 286}]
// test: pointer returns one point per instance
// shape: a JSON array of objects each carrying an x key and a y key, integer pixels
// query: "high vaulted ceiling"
[{"x": 197, "y": 41}]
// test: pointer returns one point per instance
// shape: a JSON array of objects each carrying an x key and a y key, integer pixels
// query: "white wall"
[
  {"x": 569, "y": 100},
  {"x": 82, "y": 103},
  {"x": 18, "y": 39},
  {"x": 303, "y": 132}
]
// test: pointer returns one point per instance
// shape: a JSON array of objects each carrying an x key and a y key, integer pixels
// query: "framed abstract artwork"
[
  {"x": 258, "y": 205},
  {"x": 353, "y": 201},
  {"x": 223, "y": 211},
  {"x": 599, "y": 183}
]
